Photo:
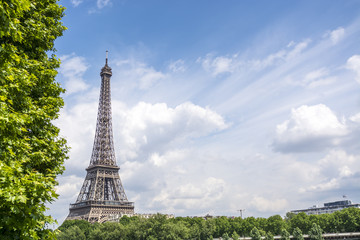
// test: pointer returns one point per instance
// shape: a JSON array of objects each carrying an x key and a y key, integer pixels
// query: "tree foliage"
[
  {"x": 73, "y": 232},
  {"x": 297, "y": 234},
  {"x": 275, "y": 224},
  {"x": 234, "y": 235},
  {"x": 255, "y": 234},
  {"x": 315, "y": 232},
  {"x": 159, "y": 227},
  {"x": 31, "y": 153},
  {"x": 269, "y": 236},
  {"x": 285, "y": 235}
]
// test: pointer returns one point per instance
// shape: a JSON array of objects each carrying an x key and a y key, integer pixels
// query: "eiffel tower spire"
[
  {"x": 102, "y": 193},
  {"x": 103, "y": 150}
]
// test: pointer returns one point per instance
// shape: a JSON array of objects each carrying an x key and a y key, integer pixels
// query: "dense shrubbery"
[{"x": 158, "y": 227}]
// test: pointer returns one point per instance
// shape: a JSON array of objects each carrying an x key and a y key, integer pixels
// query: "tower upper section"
[
  {"x": 106, "y": 70},
  {"x": 103, "y": 150}
]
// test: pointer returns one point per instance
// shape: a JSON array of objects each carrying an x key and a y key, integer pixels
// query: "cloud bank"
[{"x": 310, "y": 128}]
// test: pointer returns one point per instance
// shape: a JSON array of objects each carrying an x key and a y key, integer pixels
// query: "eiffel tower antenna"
[{"x": 102, "y": 194}]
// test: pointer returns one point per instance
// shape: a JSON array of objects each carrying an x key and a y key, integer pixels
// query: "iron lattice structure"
[{"x": 102, "y": 195}]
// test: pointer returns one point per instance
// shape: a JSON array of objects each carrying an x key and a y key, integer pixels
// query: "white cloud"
[
  {"x": 316, "y": 78},
  {"x": 149, "y": 77},
  {"x": 230, "y": 64},
  {"x": 72, "y": 69},
  {"x": 103, "y": 3},
  {"x": 309, "y": 128},
  {"x": 337, "y": 170},
  {"x": 269, "y": 60},
  {"x": 147, "y": 125},
  {"x": 76, "y": 3},
  {"x": 322, "y": 82},
  {"x": 297, "y": 49},
  {"x": 169, "y": 156},
  {"x": 139, "y": 73},
  {"x": 291, "y": 51},
  {"x": 355, "y": 118},
  {"x": 72, "y": 65},
  {"x": 197, "y": 196},
  {"x": 269, "y": 205},
  {"x": 345, "y": 171},
  {"x": 337, "y": 163},
  {"x": 145, "y": 130},
  {"x": 353, "y": 63},
  {"x": 69, "y": 186},
  {"x": 221, "y": 65},
  {"x": 75, "y": 85},
  {"x": 330, "y": 185},
  {"x": 77, "y": 124},
  {"x": 336, "y": 35},
  {"x": 177, "y": 66},
  {"x": 218, "y": 65},
  {"x": 316, "y": 74}
]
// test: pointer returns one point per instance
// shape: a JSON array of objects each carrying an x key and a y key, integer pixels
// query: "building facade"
[{"x": 329, "y": 207}]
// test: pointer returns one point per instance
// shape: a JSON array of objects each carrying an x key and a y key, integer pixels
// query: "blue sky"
[{"x": 217, "y": 105}]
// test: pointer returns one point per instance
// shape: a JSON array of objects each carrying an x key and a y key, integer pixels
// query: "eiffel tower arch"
[{"x": 102, "y": 194}]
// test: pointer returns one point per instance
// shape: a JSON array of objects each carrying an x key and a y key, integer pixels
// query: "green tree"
[
  {"x": 112, "y": 230},
  {"x": 83, "y": 225},
  {"x": 249, "y": 224},
  {"x": 172, "y": 231},
  {"x": 95, "y": 234},
  {"x": 349, "y": 219},
  {"x": 234, "y": 235},
  {"x": 31, "y": 152},
  {"x": 297, "y": 234},
  {"x": 269, "y": 236},
  {"x": 222, "y": 226},
  {"x": 255, "y": 234},
  {"x": 125, "y": 220},
  {"x": 324, "y": 221},
  {"x": 198, "y": 228},
  {"x": 300, "y": 220},
  {"x": 315, "y": 232},
  {"x": 154, "y": 224},
  {"x": 285, "y": 235},
  {"x": 207, "y": 229},
  {"x": 237, "y": 226},
  {"x": 72, "y": 233},
  {"x": 289, "y": 216},
  {"x": 261, "y": 225},
  {"x": 135, "y": 229},
  {"x": 274, "y": 224},
  {"x": 225, "y": 236},
  {"x": 314, "y": 219}
]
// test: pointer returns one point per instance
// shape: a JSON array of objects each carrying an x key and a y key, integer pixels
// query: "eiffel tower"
[{"x": 102, "y": 195}]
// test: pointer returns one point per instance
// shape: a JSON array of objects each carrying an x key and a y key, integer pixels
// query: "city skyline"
[{"x": 216, "y": 106}]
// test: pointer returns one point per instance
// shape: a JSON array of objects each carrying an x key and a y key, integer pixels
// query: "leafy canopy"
[
  {"x": 31, "y": 152},
  {"x": 159, "y": 227}
]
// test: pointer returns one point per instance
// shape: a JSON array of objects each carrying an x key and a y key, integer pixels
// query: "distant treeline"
[{"x": 159, "y": 227}]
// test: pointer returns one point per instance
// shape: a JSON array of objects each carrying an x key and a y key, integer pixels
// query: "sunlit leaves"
[{"x": 31, "y": 153}]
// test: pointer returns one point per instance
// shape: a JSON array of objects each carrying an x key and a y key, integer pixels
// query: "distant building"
[
  {"x": 151, "y": 215},
  {"x": 116, "y": 217},
  {"x": 329, "y": 207}
]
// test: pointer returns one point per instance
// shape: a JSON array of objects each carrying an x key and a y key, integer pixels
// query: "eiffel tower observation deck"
[{"x": 102, "y": 195}]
